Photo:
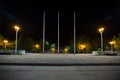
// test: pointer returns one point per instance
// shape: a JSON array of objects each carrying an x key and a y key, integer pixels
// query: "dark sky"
[{"x": 89, "y": 16}]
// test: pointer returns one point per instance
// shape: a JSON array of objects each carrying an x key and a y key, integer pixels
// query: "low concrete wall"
[
  {"x": 21, "y": 51},
  {"x": 12, "y": 52},
  {"x": 94, "y": 52},
  {"x": 105, "y": 52}
]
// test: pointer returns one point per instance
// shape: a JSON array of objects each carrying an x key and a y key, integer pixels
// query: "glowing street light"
[
  {"x": 5, "y": 42},
  {"x": 16, "y": 29},
  {"x": 66, "y": 50},
  {"x": 83, "y": 47},
  {"x": 37, "y": 46},
  {"x": 112, "y": 44},
  {"x": 101, "y": 31},
  {"x": 53, "y": 50}
]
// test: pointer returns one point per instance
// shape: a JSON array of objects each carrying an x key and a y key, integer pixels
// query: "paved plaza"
[
  {"x": 58, "y": 58},
  {"x": 9, "y": 71},
  {"x": 59, "y": 72}
]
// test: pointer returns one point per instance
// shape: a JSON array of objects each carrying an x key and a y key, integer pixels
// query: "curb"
[{"x": 60, "y": 64}]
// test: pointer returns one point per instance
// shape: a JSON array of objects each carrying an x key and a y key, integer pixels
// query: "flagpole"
[
  {"x": 74, "y": 35},
  {"x": 44, "y": 32},
  {"x": 58, "y": 33}
]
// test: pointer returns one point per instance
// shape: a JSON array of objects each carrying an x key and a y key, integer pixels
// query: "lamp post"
[
  {"x": 101, "y": 31},
  {"x": 5, "y": 42},
  {"x": 111, "y": 43},
  {"x": 83, "y": 47},
  {"x": 17, "y": 29},
  {"x": 53, "y": 50},
  {"x": 66, "y": 50},
  {"x": 37, "y": 46}
]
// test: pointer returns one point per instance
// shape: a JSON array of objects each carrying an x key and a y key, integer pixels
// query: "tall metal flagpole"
[
  {"x": 44, "y": 32},
  {"x": 74, "y": 35},
  {"x": 58, "y": 33},
  {"x": 16, "y": 42}
]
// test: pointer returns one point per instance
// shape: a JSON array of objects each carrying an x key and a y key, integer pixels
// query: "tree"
[
  {"x": 83, "y": 40},
  {"x": 1, "y": 40},
  {"x": 26, "y": 44},
  {"x": 66, "y": 49},
  {"x": 38, "y": 46},
  {"x": 1, "y": 36},
  {"x": 95, "y": 43},
  {"x": 53, "y": 47},
  {"x": 47, "y": 46},
  {"x": 11, "y": 45},
  {"x": 116, "y": 40},
  {"x": 71, "y": 45}
]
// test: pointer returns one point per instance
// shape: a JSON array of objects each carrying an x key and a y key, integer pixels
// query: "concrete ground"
[
  {"x": 59, "y": 59},
  {"x": 59, "y": 72},
  {"x": 23, "y": 67}
]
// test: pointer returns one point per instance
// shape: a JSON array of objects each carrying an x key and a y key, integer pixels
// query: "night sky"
[{"x": 89, "y": 17}]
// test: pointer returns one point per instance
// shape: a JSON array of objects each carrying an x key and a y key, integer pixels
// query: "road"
[{"x": 13, "y": 72}]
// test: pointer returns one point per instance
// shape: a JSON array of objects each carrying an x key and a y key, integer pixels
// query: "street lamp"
[
  {"x": 101, "y": 31},
  {"x": 66, "y": 50},
  {"x": 16, "y": 29},
  {"x": 37, "y": 46},
  {"x": 112, "y": 44},
  {"x": 5, "y": 42},
  {"x": 83, "y": 47},
  {"x": 53, "y": 50}
]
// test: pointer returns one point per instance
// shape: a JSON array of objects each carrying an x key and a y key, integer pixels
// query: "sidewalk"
[{"x": 59, "y": 59}]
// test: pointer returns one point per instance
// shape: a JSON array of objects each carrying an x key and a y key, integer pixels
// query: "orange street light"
[
  {"x": 66, "y": 50},
  {"x": 16, "y": 28},
  {"x": 5, "y": 42},
  {"x": 37, "y": 46},
  {"x": 101, "y": 30},
  {"x": 83, "y": 47},
  {"x": 53, "y": 50},
  {"x": 112, "y": 44}
]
